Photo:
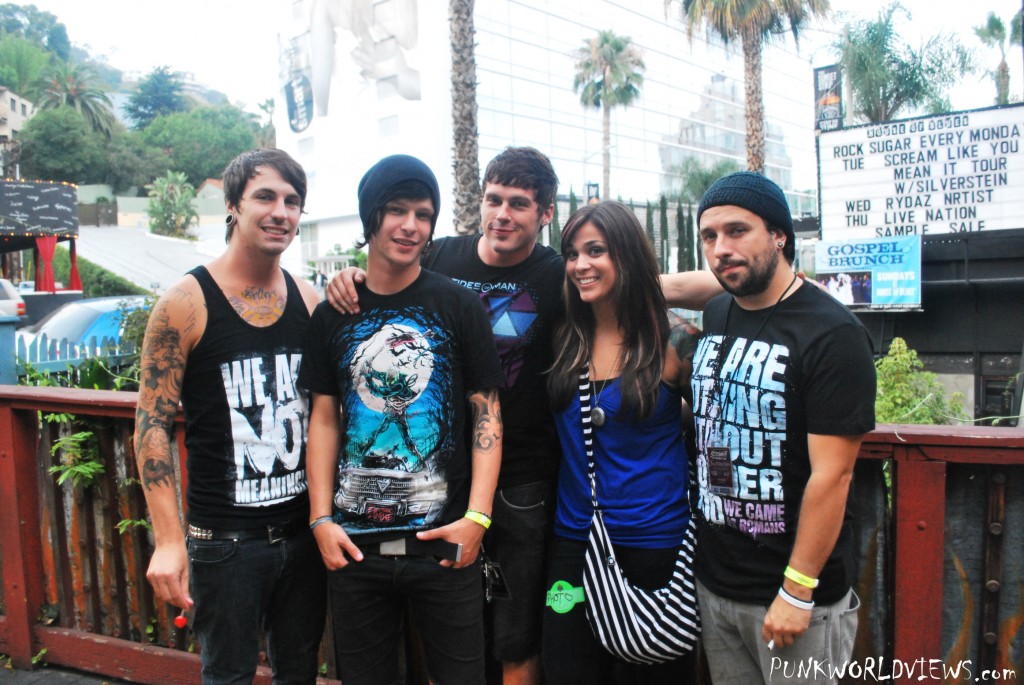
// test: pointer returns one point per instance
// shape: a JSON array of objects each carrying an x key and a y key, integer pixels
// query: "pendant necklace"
[{"x": 597, "y": 415}]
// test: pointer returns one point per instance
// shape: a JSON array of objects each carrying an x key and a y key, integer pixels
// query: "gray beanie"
[
  {"x": 756, "y": 194},
  {"x": 389, "y": 172}
]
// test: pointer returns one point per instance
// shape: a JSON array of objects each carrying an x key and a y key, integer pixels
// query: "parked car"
[
  {"x": 84, "y": 321},
  {"x": 27, "y": 286},
  {"x": 11, "y": 302}
]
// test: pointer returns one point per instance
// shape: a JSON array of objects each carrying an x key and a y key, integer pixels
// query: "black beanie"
[
  {"x": 754, "y": 193},
  {"x": 389, "y": 172}
]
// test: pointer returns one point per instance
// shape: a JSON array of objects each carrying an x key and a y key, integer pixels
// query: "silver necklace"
[{"x": 597, "y": 415}]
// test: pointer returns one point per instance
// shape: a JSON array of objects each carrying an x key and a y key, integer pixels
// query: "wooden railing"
[
  {"x": 73, "y": 583},
  {"x": 939, "y": 533}
]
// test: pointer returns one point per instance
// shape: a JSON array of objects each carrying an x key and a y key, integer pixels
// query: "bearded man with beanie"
[
  {"x": 784, "y": 389},
  {"x": 404, "y": 444}
]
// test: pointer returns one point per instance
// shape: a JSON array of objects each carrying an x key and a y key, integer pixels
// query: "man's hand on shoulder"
[{"x": 341, "y": 291}]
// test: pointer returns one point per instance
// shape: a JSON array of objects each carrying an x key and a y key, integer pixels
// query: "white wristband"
[{"x": 796, "y": 601}]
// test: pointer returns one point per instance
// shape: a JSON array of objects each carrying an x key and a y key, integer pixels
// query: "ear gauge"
[{"x": 229, "y": 219}]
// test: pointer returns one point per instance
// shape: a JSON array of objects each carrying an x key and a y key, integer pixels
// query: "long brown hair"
[{"x": 639, "y": 307}]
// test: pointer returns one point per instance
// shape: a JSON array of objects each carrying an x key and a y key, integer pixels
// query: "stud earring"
[{"x": 781, "y": 244}]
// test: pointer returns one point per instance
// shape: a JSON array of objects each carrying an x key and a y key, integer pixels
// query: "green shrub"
[{"x": 907, "y": 394}]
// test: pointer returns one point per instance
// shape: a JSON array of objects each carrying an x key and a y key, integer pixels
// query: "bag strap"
[{"x": 586, "y": 392}]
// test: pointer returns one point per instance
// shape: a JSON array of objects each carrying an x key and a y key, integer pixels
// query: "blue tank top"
[{"x": 641, "y": 471}]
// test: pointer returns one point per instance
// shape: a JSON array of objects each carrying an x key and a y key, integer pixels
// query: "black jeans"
[
  {"x": 367, "y": 607},
  {"x": 571, "y": 653}
]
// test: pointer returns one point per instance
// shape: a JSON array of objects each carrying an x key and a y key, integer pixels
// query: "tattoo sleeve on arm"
[
  {"x": 486, "y": 420},
  {"x": 162, "y": 368}
]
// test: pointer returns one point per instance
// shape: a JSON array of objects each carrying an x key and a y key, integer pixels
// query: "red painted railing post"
[
  {"x": 20, "y": 531},
  {"x": 920, "y": 500}
]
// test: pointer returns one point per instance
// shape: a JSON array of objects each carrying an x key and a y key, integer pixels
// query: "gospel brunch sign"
[{"x": 953, "y": 173}]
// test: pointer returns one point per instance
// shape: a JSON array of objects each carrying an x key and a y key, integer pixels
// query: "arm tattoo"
[
  {"x": 162, "y": 368},
  {"x": 258, "y": 306},
  {"x": 486, "y": 420},
  {"x": 157, "y": 472}
]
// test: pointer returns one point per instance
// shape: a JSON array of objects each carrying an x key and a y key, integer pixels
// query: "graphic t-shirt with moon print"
[{"x": 401, "y": 370}]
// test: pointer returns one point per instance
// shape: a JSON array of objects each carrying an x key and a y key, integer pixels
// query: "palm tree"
[
  {"x": 993, "y": 34},
  {"x": 753, "y": 22},
  {"x": 697, "y": 178},
  {"x": 609, "y": 73},
  {"x": 466, "y": 150},
  {"x": 64, "y": 84},
  {"x": 887, "y": 76}
]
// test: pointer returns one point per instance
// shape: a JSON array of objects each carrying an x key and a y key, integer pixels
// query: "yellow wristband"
[
  {"x": 800, "y": 579},
  {"x": 480, "y": 517}
]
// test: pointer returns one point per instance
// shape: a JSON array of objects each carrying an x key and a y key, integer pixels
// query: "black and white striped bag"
[{"x": 636, "y": 625}]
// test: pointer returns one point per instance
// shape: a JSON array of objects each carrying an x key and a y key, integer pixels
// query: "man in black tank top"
[{"x": 226, "y": 341}]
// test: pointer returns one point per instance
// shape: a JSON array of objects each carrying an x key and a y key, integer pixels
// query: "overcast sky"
[{"x": 232, "y": 45}]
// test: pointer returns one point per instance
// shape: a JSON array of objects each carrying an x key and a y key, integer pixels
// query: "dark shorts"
[{"x": 518, "y": 540}]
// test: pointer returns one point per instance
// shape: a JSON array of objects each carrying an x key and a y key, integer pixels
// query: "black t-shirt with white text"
[{"x": 809, "y": 371}]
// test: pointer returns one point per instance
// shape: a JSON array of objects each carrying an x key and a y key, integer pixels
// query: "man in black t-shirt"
[
  {"x": 401, "y": 476},
  {"x": 784, "y": 390},
  {"x": 520, "y": 283}
]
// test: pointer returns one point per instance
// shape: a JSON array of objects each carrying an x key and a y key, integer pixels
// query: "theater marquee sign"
[{"x": 953, "y": 173}]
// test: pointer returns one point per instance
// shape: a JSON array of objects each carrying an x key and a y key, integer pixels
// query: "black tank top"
[{"x": 245, "y": 421}]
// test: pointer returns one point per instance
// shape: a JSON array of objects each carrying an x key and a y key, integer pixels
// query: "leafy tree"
[
  {"x": 888, "y": 77},
  {"x": 993, "y": 34},
  {"x": 649, "y": 225},
  {"x": 170, "y": 210},
  {"x": 907, "y": 394},
  {"x": 663, "y": 228},
  {"x": 42, "y": 28},
  {"x": 466, "y": 148},
  {"x": 131, "y": 164},
  {"x": 753, "y": 22},
  {"x": 556, "y": 231},
  {"x": 573, "y": 203},
  {"x": 697, "y": 178},
  {"x": 609, "y": 73},
  {"x": 685, "y": 257},
  {"x": 202, "y": 142},
  {"x": 73, "y": 85},
  {"x": 21, "y": 64},
  {"x": 160, "y": 93},
  {"x": 58, "y": 145},
  {"x": 266, "y": 135}
]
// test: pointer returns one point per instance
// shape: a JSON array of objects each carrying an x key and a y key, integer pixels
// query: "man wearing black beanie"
[
  {"x": 784, "y": 389},
  {"x": 399, "y": 497}
]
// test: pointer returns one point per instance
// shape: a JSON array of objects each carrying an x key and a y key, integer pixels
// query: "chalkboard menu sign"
[{"x": 38, "y": 208}]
